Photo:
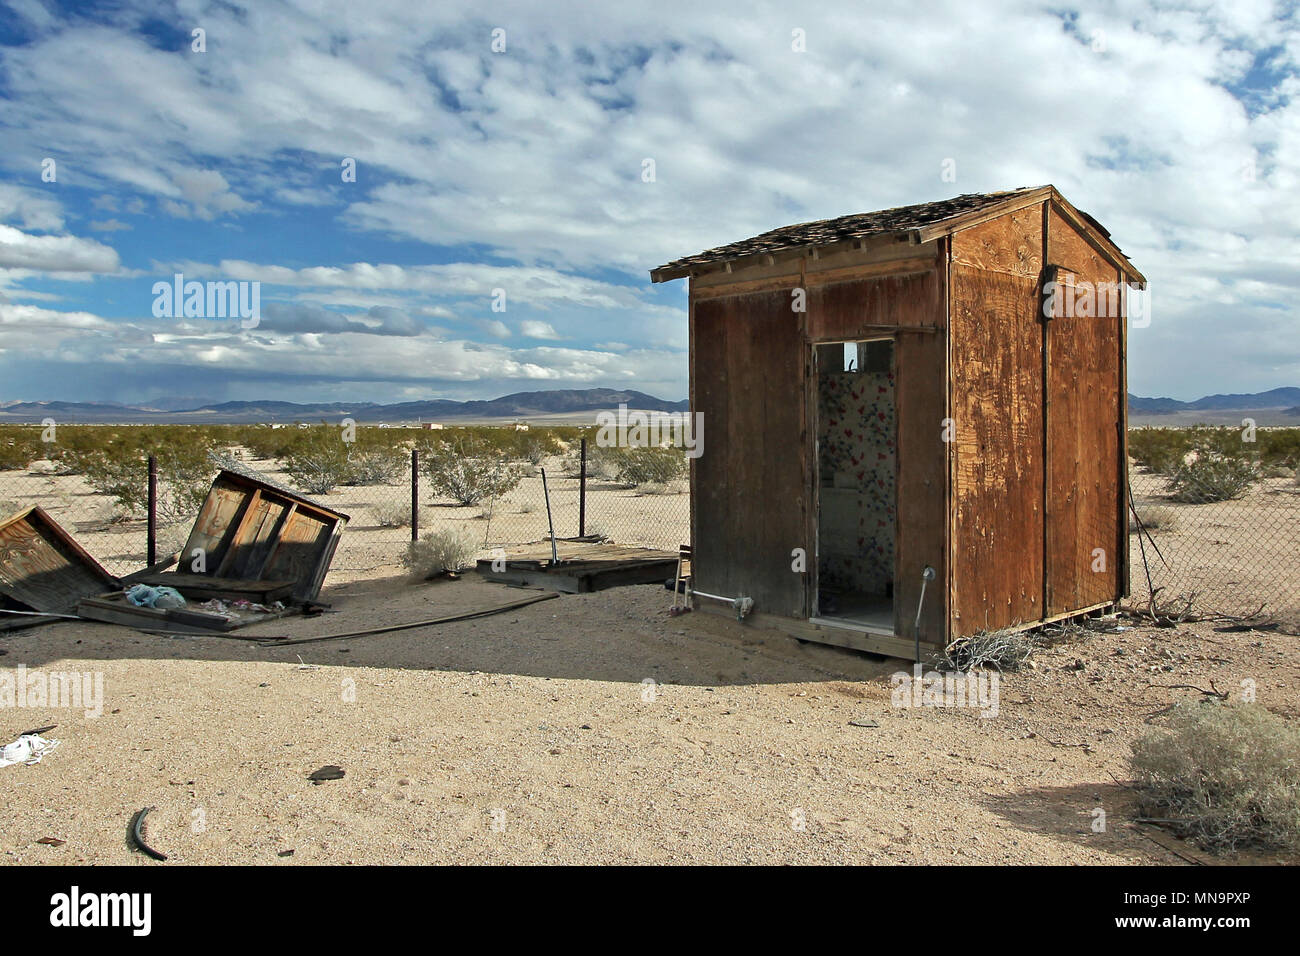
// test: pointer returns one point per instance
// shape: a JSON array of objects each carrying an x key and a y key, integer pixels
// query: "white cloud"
[
  {"x": 533, "y": 329},
  {"x": 21, "y": 250}
]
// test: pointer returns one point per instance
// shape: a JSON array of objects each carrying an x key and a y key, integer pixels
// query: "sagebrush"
[{"x": 1228, "y": 775}]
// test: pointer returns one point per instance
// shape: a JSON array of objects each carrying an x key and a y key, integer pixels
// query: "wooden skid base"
[{"x": 834, "y": 635}]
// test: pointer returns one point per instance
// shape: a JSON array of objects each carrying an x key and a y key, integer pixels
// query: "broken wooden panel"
[
  {"x": 199, "y": 587},
  {"x": 1085, "y": 401},
  {"x": 751, "y": 480},
  {"x": 997, "y": 406},
  {"x": 253, "y": 529},
  {"x": 42, "y": 568},
  {"x": 114, "y": 608}
]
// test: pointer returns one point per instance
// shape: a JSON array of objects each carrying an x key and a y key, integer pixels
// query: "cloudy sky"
[{"x": 520, "y": 169}]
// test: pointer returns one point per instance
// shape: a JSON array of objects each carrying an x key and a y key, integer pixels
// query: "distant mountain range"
[
  {"x": 1279, "y": 406},
  {"x": 579, "y": 404}
]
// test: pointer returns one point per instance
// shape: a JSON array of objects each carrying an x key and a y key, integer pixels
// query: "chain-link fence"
[
  {"x": 1214, "y": 531},
  {"x": 1215, "y": 535},
  {"x": 486, "y": 496}
]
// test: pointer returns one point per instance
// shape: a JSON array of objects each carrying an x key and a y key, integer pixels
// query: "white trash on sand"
[{"x": 28, "y": 749}]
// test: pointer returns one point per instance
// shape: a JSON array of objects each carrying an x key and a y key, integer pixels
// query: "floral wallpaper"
[{"x": 857, "y": 424}]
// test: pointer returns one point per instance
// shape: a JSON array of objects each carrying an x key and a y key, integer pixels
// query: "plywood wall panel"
[
  {"x": 997, "y": 395},
  {"x": 844, "y": 311},
  {"x": 751, "y": 483},
  {"x": 1085, "y": 392},
  {"x": 1012, "y": 243}
]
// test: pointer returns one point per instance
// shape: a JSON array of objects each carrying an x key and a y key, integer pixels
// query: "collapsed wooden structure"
[
  {"x": 916, "y": 421},
  {"x": 256, "y": 545}
]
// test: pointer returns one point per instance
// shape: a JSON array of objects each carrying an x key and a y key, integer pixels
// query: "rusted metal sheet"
[
  {"x": 255, "y": 530},
  {"x": 42, "y": 568},
  {"x": 1085, "y": 401},
  {"x": 997, "y": 405},
  {"x": 750, "y": 485}
]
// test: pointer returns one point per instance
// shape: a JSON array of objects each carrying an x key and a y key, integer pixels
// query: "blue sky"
[{"x": 1176, "y": 124}]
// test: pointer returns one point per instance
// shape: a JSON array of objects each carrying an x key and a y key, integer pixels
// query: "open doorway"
[{"x": 856, "y": 475}]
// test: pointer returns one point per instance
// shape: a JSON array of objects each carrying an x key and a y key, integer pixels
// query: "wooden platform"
[{"x": 584, "y": 567}]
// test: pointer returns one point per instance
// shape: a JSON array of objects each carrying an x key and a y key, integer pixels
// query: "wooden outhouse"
[{"x": 912, "y": 415}]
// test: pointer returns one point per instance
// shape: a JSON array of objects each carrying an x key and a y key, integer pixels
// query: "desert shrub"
[
  {"x": 1210, "y": 477},
  {"x": 1228, "y": 773},
  {"x": 18, "y": 450},
  {"x": 468, "y": 471},
  {"x": 1155, "y": 518},
  {"x": 1279, "y": 447},
  {"x": 1007, "y": 650},
  {"x": 644, "y": 466},
  {"x": 375, "y": 465},
  {"x": 1160, "y": 449},
  {"x": 439, "y": 551},
  {"x": 318, "y": 461},
  {"x": 118, "y": 468},
  {"x": 392, "y": 514}
]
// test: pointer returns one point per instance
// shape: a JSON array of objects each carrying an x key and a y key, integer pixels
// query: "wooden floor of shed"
[{"x": 584, "y": 566}]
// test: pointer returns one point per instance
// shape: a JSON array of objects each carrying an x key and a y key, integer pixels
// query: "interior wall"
[{"x": 857, "y": 468}]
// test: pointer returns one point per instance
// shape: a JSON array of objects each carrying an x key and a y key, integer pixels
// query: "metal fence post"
[
  {"x": 151, "y": 524},
  {"x": 415, "y": 494},
  {"x": 582, "y": 492}
]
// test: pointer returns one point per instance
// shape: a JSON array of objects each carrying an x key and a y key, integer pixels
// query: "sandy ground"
[{"x": 530, "y": 737}]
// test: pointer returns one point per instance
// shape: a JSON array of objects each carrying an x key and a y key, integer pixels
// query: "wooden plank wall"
[
  {"x": 859, "y": 309},
  {"x": 997, "y": 406},
  {"x": 749, "y": 487},
  {"x": 1085, "y": 395}
]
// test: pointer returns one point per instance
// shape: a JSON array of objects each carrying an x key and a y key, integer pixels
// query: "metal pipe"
[
  {"x": 151, "y": 518},
  {"x": 415, "y": 494},
  {"x": 582, "y": 491},
  {"x": 927, "y": 576},
  {"x": 741, "y": 605},
  {"x": 555, "y": 558}
]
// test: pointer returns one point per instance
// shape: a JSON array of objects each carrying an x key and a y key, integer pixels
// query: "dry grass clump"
[
  {"x": 1006, "y": 650},
  {"x": 1227, "y": 774},
  {"x": 1155, "y": 518},
  {"x": 438, "y": 552},
  {"x": 392, "y": 514}
]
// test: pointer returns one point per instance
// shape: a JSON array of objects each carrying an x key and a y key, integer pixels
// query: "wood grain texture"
[
  {"x": 1085, "y": 394},
  {"x": 920, "y": 361},
  {"x": 42, "y": 568},
  {"x": 1012, "y": 243},
  {"x": 845, "y": 311},
  {"x": 997, "y": 396},
  {"x": 750, "y": 486}
]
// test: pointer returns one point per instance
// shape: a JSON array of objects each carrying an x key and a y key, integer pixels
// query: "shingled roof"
[{"x": 899, "y": 221}]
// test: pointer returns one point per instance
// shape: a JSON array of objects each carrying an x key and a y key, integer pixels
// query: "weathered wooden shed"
[{"x": 939, "y": 386}]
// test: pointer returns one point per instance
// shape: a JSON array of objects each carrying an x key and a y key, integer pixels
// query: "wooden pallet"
[{"x": 583, "y": 567}]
